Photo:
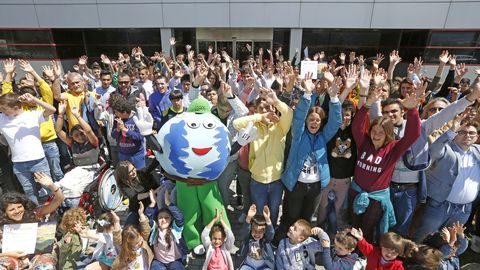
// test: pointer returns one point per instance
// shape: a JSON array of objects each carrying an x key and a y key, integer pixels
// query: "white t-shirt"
[
  {"x": 309, "y": 173},
  {"x": 23, "y": 135},
  {"x": 105, "y": 248}
]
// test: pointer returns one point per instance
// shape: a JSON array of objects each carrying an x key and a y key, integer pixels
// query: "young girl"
[
  {"x": 105, "y": 251},
  {"x": 218, "y": 240},
  {"x": 135, "y": 254},
  {"x": 71, "y": 243},
  {"x": 169, "y": 248},
  {"x": 307, "y": 172},
  {"x": 385, "y": 256}
]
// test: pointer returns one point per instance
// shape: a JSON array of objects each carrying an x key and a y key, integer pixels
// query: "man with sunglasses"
[
  {"x": 129, "y": 91},
  {"x": 408, "y": 183}
]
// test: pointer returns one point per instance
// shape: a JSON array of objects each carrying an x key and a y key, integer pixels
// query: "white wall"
[{"x": 439, "y": 14}]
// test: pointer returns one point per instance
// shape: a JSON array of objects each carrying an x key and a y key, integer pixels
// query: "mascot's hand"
[
  {"x": 247, "y": 135},
  {"x": 144, "y": 121}
]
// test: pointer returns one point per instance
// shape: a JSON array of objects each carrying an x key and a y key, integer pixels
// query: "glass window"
[
  {"x": 68, "y": 36},
  {"x": 184, "y": 36},
  {"x": 97, "y": 50},
  {"x": 27, "y": 52},
  {"x": 242, "y": 53},
  {"x": 144, "y": 36},
  {"x": 281, "y": 38},
  {"x": 70, "y": 51},
  {"x": 26, "y": 36},
  {"x": 467, "y": 56},
  {"x": 452, "y": 39},
  {"x": 203, "y": 47},
  {"x": 106, "y": 36}
]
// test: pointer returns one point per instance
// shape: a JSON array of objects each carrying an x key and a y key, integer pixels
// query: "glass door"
[{"x": 238, "y": 49}]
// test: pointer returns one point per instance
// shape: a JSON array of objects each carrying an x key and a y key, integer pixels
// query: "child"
[
  {"x": 343, "y": 257},
  {"x": 297, "y": 251},
  {"x": 218, "y": 240},
  {"x": 256, "y": 251},
  {"x": 71, "y": 243},
  {"x": 21, "y": 129},
  {"x": 452, "y": 243},
  {"x": 130, "y": 141},
  {"x": 105, "y": 251},
  {"x": 135, "y": 254},
  {"x": 385, "y": 256},
  {"x": 169, "y": 248}
]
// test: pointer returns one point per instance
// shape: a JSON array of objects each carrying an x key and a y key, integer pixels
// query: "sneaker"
[
  {"x": 199, "y": 250},
  {"x": 475, "y": 245}
]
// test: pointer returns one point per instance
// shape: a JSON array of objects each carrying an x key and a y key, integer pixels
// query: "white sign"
[
  {"x": 20, "y": 237},
  {"x": 309, "y": 66}
]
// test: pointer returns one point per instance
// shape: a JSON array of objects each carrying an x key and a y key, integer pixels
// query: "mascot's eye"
[
  {"x": 209, "y": 124},
  {"x": 193, "y": 124}
]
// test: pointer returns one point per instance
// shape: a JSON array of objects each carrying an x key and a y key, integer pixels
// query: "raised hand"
[
  {"x": 357, "y": 233},
  {"x": 361, "y": 60},
  {"x": 351, "y": 77},
  {"x": 328, "y": 76},
  {"x": 188, "y": 47},
  {"x": 395, "y": 58},
  {"x": 411, "y": 101},
  {"x": 378, "y": 60},
  {"x": 9, "y": 65},
  {"x": 26, "y": 66},
  {"x": 252, "y": 211},
  {"x": 418, "y": 65},
  {"x": 105, "y": 59},
  {"x": 461, "y": 70},
  {"x": 444, "y": 57},
  {"x": 247, "y": 135},
  {"x": 365, "y": 80},
  {"x": 115, "y": 218},
  {"x": 27, "y": 98},
  {"x": 75, "y": 111},
  {"x": 153, "y": 200},
  {"x": 321, "y": 56},
  {"x": 266, "y": 213},
  {"x": 144, "y": 121},
  {"x": 308, "y": 84},
  {"x": 334, "y": 88},
  {"x": 342, "y": 57},
  {"x": 48, "y": 71},
  {"x": 141, "y": 209},
  {"x": 270, "y": 118},
  {"x": 43, "y": 179},
  {"x": 460, "y": 228},
  {"x": 351, "y": 57},
  {"x": 269, "y": 95},
  {"x": 452, "y": 61},
  {"x": 316, "y": 231},
  {"x": 445, "y": 234},
  {"x": 172, "y": 41},
  {"x": 82, "y": 61},
  {"x": 457, "y": 121},
  {"x": 141, "y": 102}
]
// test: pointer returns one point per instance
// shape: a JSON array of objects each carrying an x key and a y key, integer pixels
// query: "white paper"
[
  {"x": 309, "y": 66},
  {"x": 20, "y": 237}
]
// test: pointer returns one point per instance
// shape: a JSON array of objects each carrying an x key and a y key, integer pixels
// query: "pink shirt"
[{"x": 217, "y": 261}]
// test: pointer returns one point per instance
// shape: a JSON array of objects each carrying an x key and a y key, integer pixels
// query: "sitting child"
[
  {"x": 218, "y": 240},
  {"x": 385, "y": 256},
  {"x": 297, "y": 251},
  {"x": 169, "y": 248},
  {"x": 452, "y": 243},
  {"x": 70, "y": 248},
  {"x": 257, "y": 233},
  {"x": 343, "y": 257}
]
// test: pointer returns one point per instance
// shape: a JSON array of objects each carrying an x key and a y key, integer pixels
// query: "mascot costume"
[{"x": 193, "y": 149}]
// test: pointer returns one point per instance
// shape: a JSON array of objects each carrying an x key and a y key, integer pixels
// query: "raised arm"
[
  {"x": 92, "y": 138},
  {"x": 46, "y": 181},
  {"x": 62, "y": 106}
]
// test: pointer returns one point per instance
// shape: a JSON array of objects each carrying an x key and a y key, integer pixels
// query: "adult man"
[
  {"x": 104, "y": 90},
  {"x": 408, "y": 179},
  {"x": 128, "y": 91},
  {"x": 454, "y": 178}
]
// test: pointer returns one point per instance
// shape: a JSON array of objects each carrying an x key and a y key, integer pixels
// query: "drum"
[{"x": 109, "y": 195}]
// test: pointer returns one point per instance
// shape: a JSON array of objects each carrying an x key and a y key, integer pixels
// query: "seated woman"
[
  {"x": 16, "y": 208},
  {"x": 85, "y": 152}
]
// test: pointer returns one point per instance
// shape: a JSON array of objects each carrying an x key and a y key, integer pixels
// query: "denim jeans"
[
  {"x": 404, "y": 202},
  {"x": 441, "y": 214},
  {"x": 137, "y": 159},
  {"x": 53, "y": 157},
  {"x": 248, "y": 267},
  {"x": 267, "y": 194},
  {"x": 71, "y": 202},
  {"x": 25, "y": 174},
  {"x": 175, "y": 265},
  {"x": 224, "y": 181}
]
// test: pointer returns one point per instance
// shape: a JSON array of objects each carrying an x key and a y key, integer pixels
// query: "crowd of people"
[{"x": 387, "y": 166}]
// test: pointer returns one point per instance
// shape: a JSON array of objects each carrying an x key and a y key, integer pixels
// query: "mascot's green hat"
[{"x": 199, "y": 105}]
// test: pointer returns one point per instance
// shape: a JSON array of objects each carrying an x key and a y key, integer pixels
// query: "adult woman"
[
  {"x": 84, "y": 144},
  {"x": 135, "y": 185},
  {"x": 307, "y": 171},
  {"x": 378, "y": 152},
  {"x": 16, "y": 208}
]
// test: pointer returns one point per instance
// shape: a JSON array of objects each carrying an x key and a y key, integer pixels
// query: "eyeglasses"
[
  {"x": 123, "y": 82},
  {"x": 469, "y": 133},
  {"x": 435, "y": 109}
]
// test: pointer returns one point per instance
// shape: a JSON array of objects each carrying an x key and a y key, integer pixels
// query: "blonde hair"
[{"x": 130, "y": 236}]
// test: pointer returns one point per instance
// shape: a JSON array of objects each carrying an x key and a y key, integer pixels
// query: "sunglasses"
[
  {"x": 435, "y": 109},
  {"x": 123, "y": 82}
]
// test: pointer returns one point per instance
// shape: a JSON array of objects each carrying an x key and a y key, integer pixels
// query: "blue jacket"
[
  {"x": 338, "y": 263},
  {"x": 452, "y": 263},
  {"x": 157, "y": 103},
  {"x": 265, "y": 246},
  {"x": 303, "y": 142},
  {"x": 177, "y": 228}
]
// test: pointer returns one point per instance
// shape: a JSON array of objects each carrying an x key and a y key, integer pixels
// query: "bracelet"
[{"x": 60, "y": 116}]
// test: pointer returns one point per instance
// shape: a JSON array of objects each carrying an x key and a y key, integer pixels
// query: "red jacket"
[{"x": 374, "y": 255}]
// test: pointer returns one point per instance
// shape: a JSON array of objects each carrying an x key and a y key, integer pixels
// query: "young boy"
[
  {"x": 22, "y": 132},
  {"x": 343, "y": 257},
  {"x": 130, "y": 141},
  {"x": 297, "y": 251},
  {"x": 256, "y": 251}
]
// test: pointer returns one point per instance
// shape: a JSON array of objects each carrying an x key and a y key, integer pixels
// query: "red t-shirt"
[{"x": 374, "y": 168}]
